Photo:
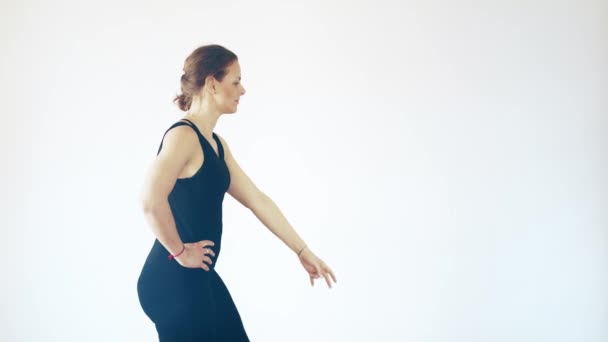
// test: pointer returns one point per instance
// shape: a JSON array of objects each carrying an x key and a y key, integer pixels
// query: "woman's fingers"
[
  {"x": 205, "y": 243},
  {"x": 208, "y": 251},
  {"x": 332, "y": 274},
  {"x": 208, "y": 260},
  {"x": 317, "y": 268},
  {"x": 326, "y": 276},
  {"x": 198, "y": 255},
  {"x": 322, "y": 270},
  {"x": 317, "y": 272},
  {"x": 204, "y": 265},
  {"x": 326, "y": 272}
]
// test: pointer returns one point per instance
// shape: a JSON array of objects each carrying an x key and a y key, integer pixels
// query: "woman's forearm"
[
  {"x": 160, "y": 218},
  {"x": 271, "y": 216}
]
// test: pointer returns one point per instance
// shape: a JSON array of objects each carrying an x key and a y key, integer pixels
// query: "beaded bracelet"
[{"x": 171, "y": 256}]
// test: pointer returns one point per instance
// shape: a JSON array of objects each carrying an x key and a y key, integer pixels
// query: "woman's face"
[{"x": 229, "y": 91}]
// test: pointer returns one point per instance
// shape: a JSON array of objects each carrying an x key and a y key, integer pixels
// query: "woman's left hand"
[{"x": 316, "y": 267}]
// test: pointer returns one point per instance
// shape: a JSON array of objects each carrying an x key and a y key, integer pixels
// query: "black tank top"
[{"x": 196, "y": 202}]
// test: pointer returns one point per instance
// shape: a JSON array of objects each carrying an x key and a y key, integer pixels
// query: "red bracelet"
[{"x": 171, "y": 256}]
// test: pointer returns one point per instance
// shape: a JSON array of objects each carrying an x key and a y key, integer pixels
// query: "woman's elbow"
[{"x": 151, "y": 203}]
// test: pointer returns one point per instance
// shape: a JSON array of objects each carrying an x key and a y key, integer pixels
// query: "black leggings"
[{"x": 182, "y": 314}]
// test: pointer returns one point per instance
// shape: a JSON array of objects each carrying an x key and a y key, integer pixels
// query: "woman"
[{"x": 178, "y": 288}]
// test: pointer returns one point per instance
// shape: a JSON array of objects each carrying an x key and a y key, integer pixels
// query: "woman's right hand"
[{"x": 195, "y": 255}]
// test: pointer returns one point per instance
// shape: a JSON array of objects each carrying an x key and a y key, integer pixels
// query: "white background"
[{"x": 448, "y": 159}]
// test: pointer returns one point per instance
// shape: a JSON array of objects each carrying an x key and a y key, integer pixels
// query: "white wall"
[{"x": 447, "y": 159}]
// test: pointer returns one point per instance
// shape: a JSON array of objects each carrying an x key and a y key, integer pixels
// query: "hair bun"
[{"x": 183, "y": 102}]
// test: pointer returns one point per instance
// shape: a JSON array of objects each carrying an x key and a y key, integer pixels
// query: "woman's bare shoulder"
[
  {"x": 180, "y": 137},
  {"x": 180, "y": 145}
]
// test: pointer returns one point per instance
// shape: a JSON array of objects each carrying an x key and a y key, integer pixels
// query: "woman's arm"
[
  {"x": 264, "y": 208},
  {"x": 178, "y": 145}
]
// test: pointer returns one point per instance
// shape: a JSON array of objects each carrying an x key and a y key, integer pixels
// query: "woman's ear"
[{"x": 210, "y": 84}]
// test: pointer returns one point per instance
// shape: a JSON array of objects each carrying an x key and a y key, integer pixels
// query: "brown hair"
[{"x": 202, "y": 62}]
